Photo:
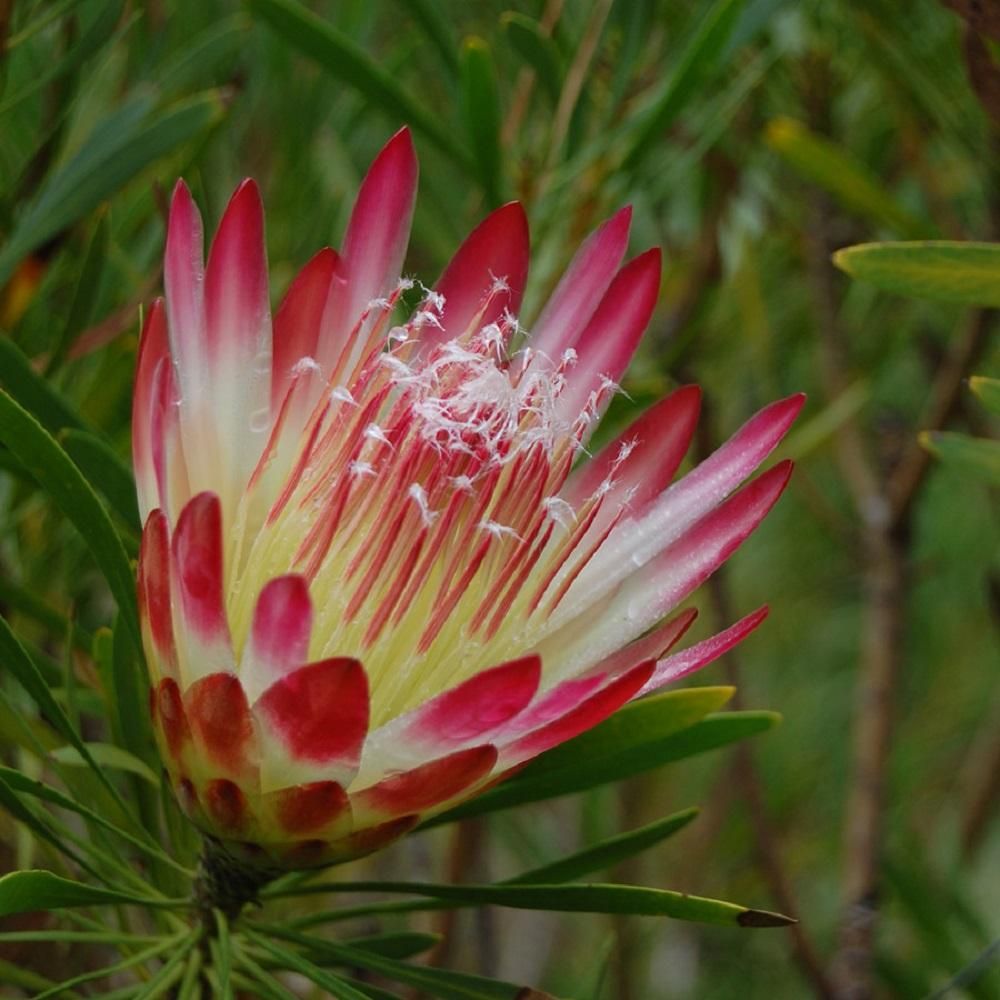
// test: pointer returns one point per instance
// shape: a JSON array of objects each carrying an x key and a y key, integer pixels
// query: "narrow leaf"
[
  {"x": 106, "y": 755},
  {"x": 608, "y": 852},
  {"x": 537, "y": 49},
  {"x": 976, "y": 456},
  {"x": 10, "y": 802},
  {"x": 430, "y": 15},
  {"x": 106, "y": 472},
  {"x": 480, "y": 102},
  {"x": 828, "y": 166},
  {"x": 113, "y": 154},
  {"x": 965, "y": 273},
  {"x": 34, "y": 392},
  {"x": 348, "y": 62},
  {"x": 81, "y": 310},
  {"x": 697, "y": 62},
  {"x": 62, "y": 480},
  {"x": 437, "y": 982},
  {"x": 590, "y": 898},
  {"x": 297, "y": 963},
  {"x": 988, "y": 391},
  {"x": 641, "y": 736},
  {"x": 138, "y": 958},
  {"x": 397, "y": 944},
  {"x": 37, "y": 889}
]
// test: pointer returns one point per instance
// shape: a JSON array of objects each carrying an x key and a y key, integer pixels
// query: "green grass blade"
[
  {"x": 54, "y": 471},
  {"x": 345, "y": 60},
  {"x": 33, "y": 391},
  {"x": 297, "y": 963},
  {"x": 81, "y": 310},
  {"x": 106, "y": 472},
  {"x": 537, "y": 49},
  {"x": 480, "y": 102},
  {"x": 696, "y": 63},
  {"x": 431, "y": 17},
  {"x": 436, "y": 982},
  {"x": 822, "y": 162},
  {"x": 117, "y": 150}
]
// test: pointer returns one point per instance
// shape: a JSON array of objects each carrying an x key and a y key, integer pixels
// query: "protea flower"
[{"x": 379, "y": 568}]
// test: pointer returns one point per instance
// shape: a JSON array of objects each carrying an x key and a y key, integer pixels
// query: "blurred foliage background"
[{"x": 754, "y": 138}]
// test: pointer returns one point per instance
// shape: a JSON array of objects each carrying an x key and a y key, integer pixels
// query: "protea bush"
[{"x": 381, "y": 569}]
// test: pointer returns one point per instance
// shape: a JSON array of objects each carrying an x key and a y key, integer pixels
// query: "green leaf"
[
  {"x": 641, "y": 736},
  {"x": 608, "y": 852},
  {"x": 591, "y": 898},
  {"x": 988, "y": 391},
  {"x": 430, "y": 15},
  {"x": 195, "y": 63},
  {"x": 346, "y": 61},
  {"x": 16, "y": 660},
  {"x": 118, "y": 149},
  {"x": 537, "y": 49},
  {"x": 81, "y": 310},
  {"x": 106, "y": 755},
  {"x": 17, "y": 598},
  {"x": 945, "y": 270},
  {"x": 297, "y": 963},
  {"x": 106, "y": 472},
  {"x": 437, "y": 982},
  {"x": 190, "y": 988},
  {"x": 480, "y": 103},
  {"x": 976, "y": 456},
  {"x": 93, "y": 38},
  {"x": 10, "y": 801},
  {"x": 164, "y": 945},
  {"x": 29, "y": 786},
  {"x": 397, "y": 944},
  {"x": 62, "y": 480},
  {"x": 160, "y": 982},
  {"x": 131, "y": 702},
  {"x": 37, "y": 889},
  {"x": 262, "y": 982},
  {"x": 223, "y": 955},
  {"x": 34, "y": 392},
  {"x": 697, "y": 62},
  {"x": 825, "y": 164}
]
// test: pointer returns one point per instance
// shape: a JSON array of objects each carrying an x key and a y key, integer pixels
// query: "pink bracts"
[{"x": 375, "y": 575}]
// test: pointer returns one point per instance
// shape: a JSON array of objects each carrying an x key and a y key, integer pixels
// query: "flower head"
[{"x": 379, "y": 569}]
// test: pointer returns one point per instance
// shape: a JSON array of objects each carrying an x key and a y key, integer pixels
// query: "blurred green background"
[{"x": 753, "y": 139}]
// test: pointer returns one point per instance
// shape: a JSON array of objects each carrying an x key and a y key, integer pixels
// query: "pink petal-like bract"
[{"x": 379, "y": 569}]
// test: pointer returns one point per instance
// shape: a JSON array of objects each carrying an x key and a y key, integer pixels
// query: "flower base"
[{"x": 226, "y": 883}]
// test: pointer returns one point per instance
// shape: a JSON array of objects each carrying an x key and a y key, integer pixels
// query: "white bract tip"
[
  {"x": 498, "y": 530},
  {"x": 375, "y": 433},
  {"x": 418, "y": 495},
  {"x": 560, "y": 511},
  {"x": 306, "y": 365},
  {"x": 342, "y": 394}
]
